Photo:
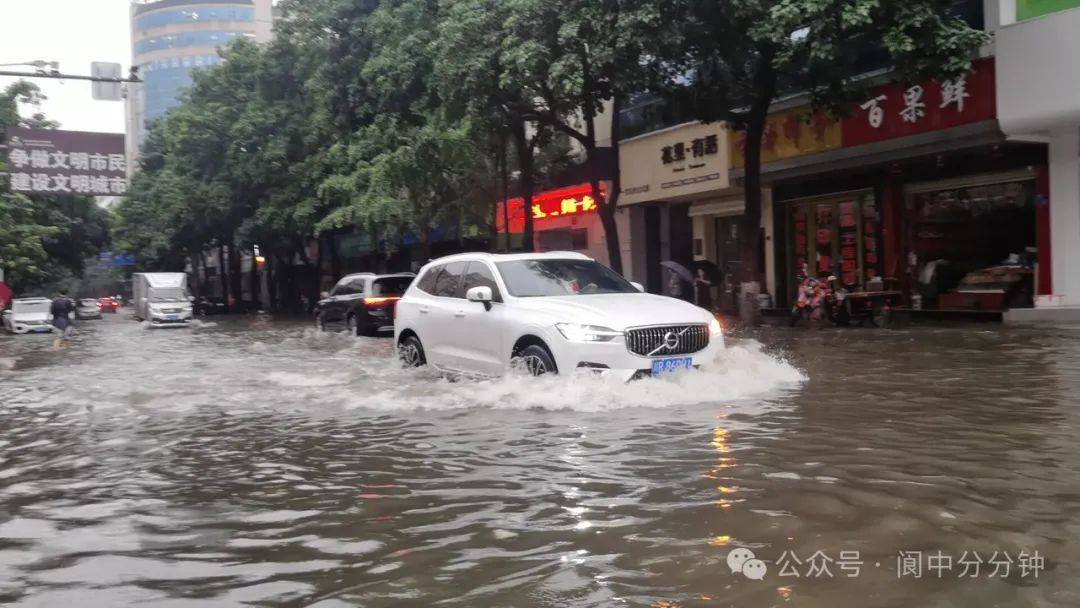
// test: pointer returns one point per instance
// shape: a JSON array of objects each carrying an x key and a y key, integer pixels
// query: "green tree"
[
  {"x": 43, "y": 238},
  {"x": 733, "y": 59},
  {"x": 577, "y": 59}
]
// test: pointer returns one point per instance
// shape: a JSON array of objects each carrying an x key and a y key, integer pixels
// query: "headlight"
[
  {"x": 715, "y": 328},
  {"x": 587, "y": 333}
]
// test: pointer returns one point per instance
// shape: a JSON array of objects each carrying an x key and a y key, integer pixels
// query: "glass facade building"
[{"x": 170, "y": 39}]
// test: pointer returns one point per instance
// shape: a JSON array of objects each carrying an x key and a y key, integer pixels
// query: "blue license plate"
[{"x": 666, "y": 366}]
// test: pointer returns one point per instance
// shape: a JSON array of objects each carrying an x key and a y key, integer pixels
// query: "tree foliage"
[
  {"x": 395, "y": 117},
  {"x": 43, "y": 239},
  {"x": 733, "y": 59}
]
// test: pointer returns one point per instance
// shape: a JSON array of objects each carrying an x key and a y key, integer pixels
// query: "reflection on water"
[{"x": 251, "y": 462}]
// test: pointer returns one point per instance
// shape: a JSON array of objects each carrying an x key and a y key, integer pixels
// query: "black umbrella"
[
  {"x": 679, "y": 270},
  {"x": 712, "y": 271}
]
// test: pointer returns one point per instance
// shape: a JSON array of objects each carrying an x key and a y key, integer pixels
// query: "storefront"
[
  {"x": 916, "y": 191},
  {"x": 837, "y": 234},
  {"x": 668, "y": 178},
  {"x": 1038, "y": 99},
  {"x": 564, "y": 219}
]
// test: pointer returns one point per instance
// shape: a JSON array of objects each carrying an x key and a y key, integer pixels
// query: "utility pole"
[{"x": 133, "y": 77}]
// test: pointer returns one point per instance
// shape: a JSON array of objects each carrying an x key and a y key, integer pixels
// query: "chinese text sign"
[{"x": 50, "y": 161}]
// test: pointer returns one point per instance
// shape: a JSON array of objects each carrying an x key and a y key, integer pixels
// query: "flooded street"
[{"x": 256, "y": 462}]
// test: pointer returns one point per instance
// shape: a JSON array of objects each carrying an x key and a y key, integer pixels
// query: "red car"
[{"x": 108, "y": 305}]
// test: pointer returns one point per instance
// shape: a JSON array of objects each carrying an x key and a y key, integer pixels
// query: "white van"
[{"x": 162, "y": 298}]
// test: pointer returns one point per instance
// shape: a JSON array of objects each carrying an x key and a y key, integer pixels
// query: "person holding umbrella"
[
  {"x": 679, "y": 281},
  {"x": 703, "y": 290}
]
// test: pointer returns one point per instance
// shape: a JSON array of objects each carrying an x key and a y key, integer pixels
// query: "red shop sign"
[
  {"x": 899, "y": 111},
  {"x": 574, "y": 200}
]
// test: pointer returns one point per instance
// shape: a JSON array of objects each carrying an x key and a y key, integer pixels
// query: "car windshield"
[
  {"x": 30, "y": 307},
  {"x": 168, "y": 295},
  {"x": 535, "y": 278},
  {"x": 87, "y": 302},
  {"x": 390, "y": 286}
]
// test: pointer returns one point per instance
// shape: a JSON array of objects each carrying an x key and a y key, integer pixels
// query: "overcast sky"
[{"x": 73, "y": 32}]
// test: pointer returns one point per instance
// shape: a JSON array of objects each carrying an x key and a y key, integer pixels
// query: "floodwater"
[{"x": 256, "y": 462}]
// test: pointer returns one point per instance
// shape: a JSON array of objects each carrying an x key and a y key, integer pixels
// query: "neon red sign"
[{"x": 575, "y": 200}]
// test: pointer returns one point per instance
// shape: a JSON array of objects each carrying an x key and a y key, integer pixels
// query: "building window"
[
  {"x": 186, "y": 39},
  {"x": 195, "y": 14}
]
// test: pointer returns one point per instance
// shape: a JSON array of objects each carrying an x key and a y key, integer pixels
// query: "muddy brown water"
[{"x": 259, "y": 462}]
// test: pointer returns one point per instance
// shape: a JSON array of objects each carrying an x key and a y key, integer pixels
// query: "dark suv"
[{"x": 363, "y": 303}]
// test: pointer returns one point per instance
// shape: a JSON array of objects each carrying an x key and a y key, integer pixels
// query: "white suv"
[{"x": 481, "y": 313}]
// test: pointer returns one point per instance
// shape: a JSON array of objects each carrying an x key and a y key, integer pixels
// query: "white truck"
[{"x": 162, "y": 298}]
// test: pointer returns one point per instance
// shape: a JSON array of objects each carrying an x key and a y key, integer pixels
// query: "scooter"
[{"x": 818, "y": 300}]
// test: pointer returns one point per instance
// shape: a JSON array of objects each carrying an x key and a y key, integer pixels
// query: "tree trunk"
[
  {"x": 425, "y": 243},
  {"x": 195, "y": 283},
  {"x": 611, "y": 203},
  {"x": 526, "y": 163},
  {"x": 271, "y": 282},
  {"x": 223, "y": 275},
  {"x": 316, "y": 281},
  {"x": 236, "y": 278},
  {"x": 765, "y": 85},
  {"x": 335, "y": 258},
  {"x": 256, "y": 288},
  {"x": 288, "y": 287},
  {"x": 755, "y": 128},
  {"x": 493, "y": 233},
  {"x": 505, "y": 191}
]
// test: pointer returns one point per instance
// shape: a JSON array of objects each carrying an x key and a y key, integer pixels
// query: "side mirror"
[
  {"x": 191, "y": 298},
  {"x": 480, "y": 293},
  {"x": 637, "y": 286},
  {"x": 324, "y": 294}
]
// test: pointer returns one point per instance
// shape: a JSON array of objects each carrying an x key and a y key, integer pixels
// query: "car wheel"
[
  {"x": 411, "y": 352},
  {"x": 536, "y": 360},
  {"x": 351, "y": 325}
]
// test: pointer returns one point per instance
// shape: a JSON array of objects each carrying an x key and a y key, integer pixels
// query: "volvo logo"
[
  {"x": 671, "y": 340},
  {"x": 669, "y": 343}
]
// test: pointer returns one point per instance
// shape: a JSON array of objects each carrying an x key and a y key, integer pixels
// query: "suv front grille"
[{"x": 664, "y": 340}]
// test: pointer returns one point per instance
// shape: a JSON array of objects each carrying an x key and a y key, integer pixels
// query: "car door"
[
  {"x": 444, "y": 342},
  {"x": 415, "y": 311},
  {"x": 352, "y": 302},
  {"x": 480, "y": 327},
  {"x": 332, "y": 308}
]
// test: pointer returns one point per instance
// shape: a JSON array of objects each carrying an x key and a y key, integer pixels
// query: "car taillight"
[{"x": 382, "y": 302}]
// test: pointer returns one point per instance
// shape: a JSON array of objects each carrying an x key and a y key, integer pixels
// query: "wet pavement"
[{"x": 257, "y": 462}]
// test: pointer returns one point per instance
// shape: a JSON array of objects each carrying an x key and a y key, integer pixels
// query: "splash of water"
[{"x": 740, "y": 371}]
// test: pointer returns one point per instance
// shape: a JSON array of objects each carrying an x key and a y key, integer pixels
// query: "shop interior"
[{"x": 973, "y": 246}]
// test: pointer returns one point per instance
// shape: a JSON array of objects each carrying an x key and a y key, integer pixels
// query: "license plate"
[
  {"x": 172, "y": 317},
  {"x": 666, "y": 366}
]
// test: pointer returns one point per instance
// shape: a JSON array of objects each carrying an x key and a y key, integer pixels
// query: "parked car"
[
  {"x": 28, "y": 315},
  {"x": 108, "y": 304},
  {"x": 362, "y": 303},
  {"x": 481, "y": 313},
  {"x": 205, "y": 306},
  {"x": 87, "y": 308}
]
